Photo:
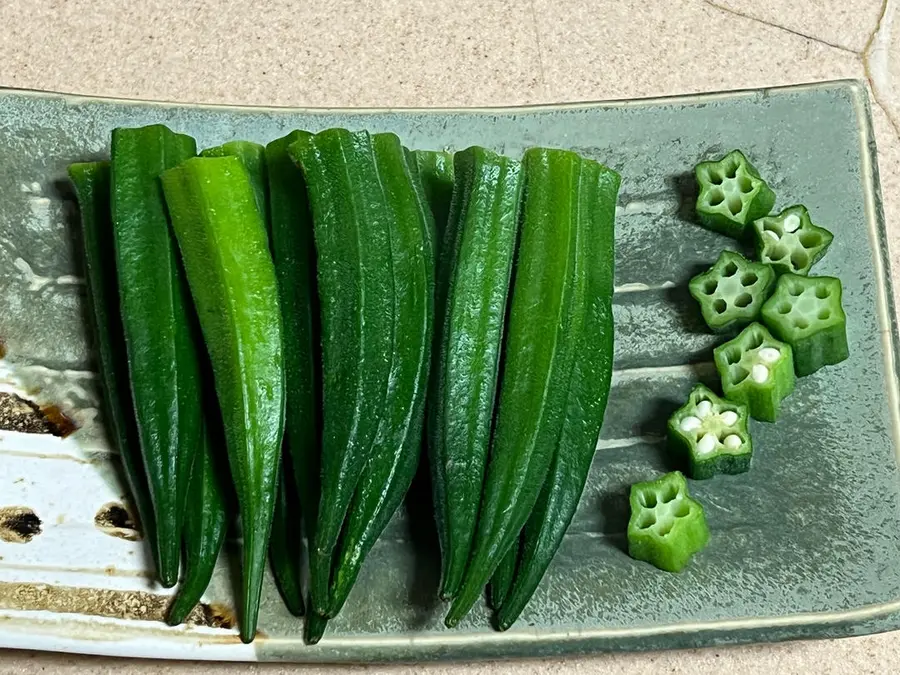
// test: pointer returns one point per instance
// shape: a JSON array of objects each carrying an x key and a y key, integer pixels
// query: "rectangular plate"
[{"x": 804, "y": 545}]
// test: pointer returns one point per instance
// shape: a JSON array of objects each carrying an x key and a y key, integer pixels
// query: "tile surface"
[{"x": 468, "y": 53}]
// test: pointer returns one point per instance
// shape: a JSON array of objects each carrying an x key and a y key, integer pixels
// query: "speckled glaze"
[{"x": 803, "y": 545}]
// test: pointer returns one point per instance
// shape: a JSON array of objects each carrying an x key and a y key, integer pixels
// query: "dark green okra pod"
[
  {"x": 732, "y": 194},
  {"x": 667, "y": 527},
  {"x": 806, "y": 312},
  {"x": 435, "y": 169},
  {"x": 711, "y": 434},
  {"x": 92, "y": 185},
  {"x": 395, "y": 455},
  {"x": 756, "y": 369},
  {"x": 471, "y": 300},
  {"x": 286, "y": 541},
  {"x": 159, "y": 326},
  {"x": 589, "y": 386},
  {"x": 790, "y": 242},
  {"x": 253, "y": 155},
  {"x": 732, "y": 292}
]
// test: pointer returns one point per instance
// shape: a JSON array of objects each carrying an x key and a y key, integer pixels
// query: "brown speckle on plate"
[
  {"x": 116, "y": 520},
  {"x": 18, "y": 524}
]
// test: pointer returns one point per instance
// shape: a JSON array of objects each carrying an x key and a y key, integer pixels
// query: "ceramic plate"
[{"x": 804, "y": 545}]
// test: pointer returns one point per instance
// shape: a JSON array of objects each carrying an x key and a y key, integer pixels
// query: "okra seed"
[
  {"x": 704, "y": 408},
  {"x": 748, "y": 279},
  {"x": 801, "y": 323},
  {"x": 784, "y": 308},
  {"x": 824, "y": 314},
  {"x": 733, "y": 442},
  {"x": 720, "y": 305},
  {"x": 759, "y": 373},
  {"x": 792, "y": 223},
  {"x": 772, "y": 234},
  {"x": 707, "y": 444},
  {"x": 795, "y": 290},
  {"x": 690, "y": 423},
  {"x": 743, "y": 300},
  {"x": 729, "y": 418},
  {"x": 822, "y": 292},
  {"x": 769, "y": 354}
]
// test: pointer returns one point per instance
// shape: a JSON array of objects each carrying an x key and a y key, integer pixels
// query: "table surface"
[{"x": 464, "y": 53}]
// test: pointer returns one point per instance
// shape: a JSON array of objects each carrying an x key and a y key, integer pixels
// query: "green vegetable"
[
  {"x": 158, "y": 324},
  {"x": 395, "y": 455},
  {"x": 790, "y": 242},
  {"x": 205, "y": 526},
  {"x": 223, "y": 244},
  {"x": 591, "y": 336},
  {"x": 756, "y": 369},
  {"x": 315, "y": 627},
  {"x": 806, "y": 312},
  {"x": 503, "y": 577},
  {"x": 732, "y": 292},
  {"x": 293, "y": 251},
  {"x": 667, "y": 527},
  {"x": 712, "y": 434},
  {"x": 92, "y": 187},
  {"x": 352, "y": 205},
  {"x": 473, "y": 282},
  {"x": 253, "y": 155},
  {"x": 732, "y": 194},
  {"x": 435, "y": 169},
  {"x": 286, "y": 542},
  {"x": 538, "y": 361}
]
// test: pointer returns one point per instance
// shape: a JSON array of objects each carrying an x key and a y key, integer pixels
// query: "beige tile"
[
  {"x": 631, "y": 48},
  {"x": 321, "y": 52},
  {"x": 843, "y": 23}
]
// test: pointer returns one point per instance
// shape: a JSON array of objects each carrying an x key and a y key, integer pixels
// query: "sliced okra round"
[
  {"x": 712, "y": 434},
  {"x": 667, "y": 526},
  {"x": 732, "y": 194},
  {"x": 732, "y": 292},
  {"x": 806, "y": 313},
  {"x": 756, "y": 370},
  {"x": 790, "y": 242}
]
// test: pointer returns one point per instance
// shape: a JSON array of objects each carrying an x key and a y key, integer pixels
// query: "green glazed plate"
[{"x": 807, "y": 544}]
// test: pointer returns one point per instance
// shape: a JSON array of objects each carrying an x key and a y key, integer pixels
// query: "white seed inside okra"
[
  {"x": 729, "y": 418},
  {"x": 772, "y": 234},
  {"x": 707, "y": 444},
  {"x": 704, "y": 408},
  {"x": 791, "y": 223},
  {"x": 690, "y": 423},
  {"x": 732, "y": 442},
  {"x": 759, "y": 373},
  {"x": 769, "y": 354}
]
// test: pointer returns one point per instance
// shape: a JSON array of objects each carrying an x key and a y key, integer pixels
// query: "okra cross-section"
[
  {"x": 790, "y": 242},
  {"x": 732, "y": 194},
  {"x": 756, "y": 370},
  {"x": 732, "y": 292},
  {"x": 711, "y": 434},
  {"x": 667, "y": 526},
  {"x": 806, "y": 312}
]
